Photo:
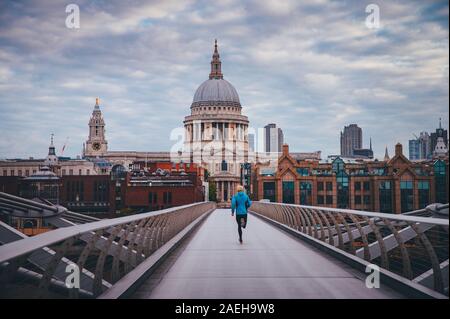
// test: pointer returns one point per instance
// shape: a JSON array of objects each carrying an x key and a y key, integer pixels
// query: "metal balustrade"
[
  {"x": 27, "y": 208},
  {"x": 104, "y": 251},
  {"x": 414, "y": 246}
]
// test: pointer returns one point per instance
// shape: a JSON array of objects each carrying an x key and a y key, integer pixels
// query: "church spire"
[
  {"x": 386, "y": 154},
  {"x": 51, "y": 148},
  {"x": 440, "y": 123},
  {"x": 216, "y": 64}
]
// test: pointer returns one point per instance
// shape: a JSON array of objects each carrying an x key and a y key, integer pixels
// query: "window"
[
  {"x": 305, "y": 193},
  {"x": 288, "y": 193},
  {"x": 357, "y": 200},
  {"x": 440, "y": 178},
  {"x": 79, "y": 172},
  {"x": 357, "y": 186},
  {"x": 379, "y": 171},
  {"x": 338, "y": 165},
  {"x": 101, "y": 191},
  {"x": 224, "y": 166},
  {"x": 320, "y": 200},
  {"x": 88, "y": 172},
  {"x": 329, "y": 186},
  {"x": 5, "y": 172},
  {"x": 63, "y": 172},
  {"x": 424, "y": 193},
  {"x": 27, "y": 172},
  {"x": 407, "y": 196},
  {"x": 366, "y": 186},
  {"x": 320, "y": 186},
  {"x": 406, "y": 185},
  {"x": 152, "y": 198},
  {"x": 20, "y": 172},
  {"x": 342, "y": 189},
  {"x": 385, "y": 196},
  {"x": 70, "y": 171},
  {"x": 366, "y": 199},
  {"x": 75, "y": 191},
  {"x": 303, "y": 171},
  {"x": 329, "y": 199},
  {"x": 12, "y": 172},
  {"x": 167, "y": 198},
  {"x": 269, "y": 191}
]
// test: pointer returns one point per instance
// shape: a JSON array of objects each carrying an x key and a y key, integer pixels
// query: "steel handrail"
[{"x": 20, "y": 248}]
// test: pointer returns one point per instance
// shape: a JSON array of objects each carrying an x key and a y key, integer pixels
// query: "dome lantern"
[{"x": 216, "y": 64}]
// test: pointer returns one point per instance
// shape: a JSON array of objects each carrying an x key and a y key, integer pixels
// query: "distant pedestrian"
[{"x": 240, "y": 203}]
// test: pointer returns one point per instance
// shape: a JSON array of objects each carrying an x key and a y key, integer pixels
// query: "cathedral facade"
[{"x": 216, "y": 132}]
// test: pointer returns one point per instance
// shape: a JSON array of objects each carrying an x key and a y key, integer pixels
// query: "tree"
[{"x": 212, "y": 192}]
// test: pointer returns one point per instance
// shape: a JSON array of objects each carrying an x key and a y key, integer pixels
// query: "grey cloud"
[{"x": 311, "y": 67}]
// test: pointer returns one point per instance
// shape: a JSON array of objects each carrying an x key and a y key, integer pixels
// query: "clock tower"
[{"x": 96, "y": 145}]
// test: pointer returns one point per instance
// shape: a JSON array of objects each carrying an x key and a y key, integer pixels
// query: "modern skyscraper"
[
  {"x": 414, "y": 149},
  {"x": 423, "y": 147},
  {"x": 273, "y": 138},
  {"x": 251, "y": 142},
  {"x": 351, "y": 138}
]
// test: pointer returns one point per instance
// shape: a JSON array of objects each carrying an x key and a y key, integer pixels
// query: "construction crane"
[{"x": 64, "y": 146}]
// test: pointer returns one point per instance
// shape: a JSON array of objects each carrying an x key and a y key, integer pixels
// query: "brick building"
[
  {"x": 145, "y": 186},
  {"x": 393, "y": 185}
]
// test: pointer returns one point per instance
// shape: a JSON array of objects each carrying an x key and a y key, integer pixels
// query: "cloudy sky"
[{"x": 311, "y": 67}]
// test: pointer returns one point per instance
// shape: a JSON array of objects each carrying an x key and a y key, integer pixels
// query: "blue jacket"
[{"x": 240, "y": 203}]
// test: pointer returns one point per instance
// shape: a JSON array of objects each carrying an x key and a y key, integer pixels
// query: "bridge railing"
[
  {"x": 414, "y": 246},
  {"x": 102, "y": 252}
]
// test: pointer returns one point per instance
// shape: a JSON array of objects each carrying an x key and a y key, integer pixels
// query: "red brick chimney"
[
  {"x": 398, "y": 149},
  {"x": 285, "y": 149}
]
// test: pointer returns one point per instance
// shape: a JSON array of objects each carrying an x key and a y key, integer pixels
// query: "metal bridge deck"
[{"x": 269, "y": 264}]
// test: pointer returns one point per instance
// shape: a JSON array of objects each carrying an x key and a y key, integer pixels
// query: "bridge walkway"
[{"x": 269, "y": 264}]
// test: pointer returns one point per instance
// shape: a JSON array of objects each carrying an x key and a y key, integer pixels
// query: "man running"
[{"x": 240, "y": 203}]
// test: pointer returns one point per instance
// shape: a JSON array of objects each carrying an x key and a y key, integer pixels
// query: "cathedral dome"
[{"x": 216, "y": 90}]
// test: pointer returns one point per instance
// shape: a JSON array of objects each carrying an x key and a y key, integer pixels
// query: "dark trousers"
[{"x": 238, "y": 220}]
